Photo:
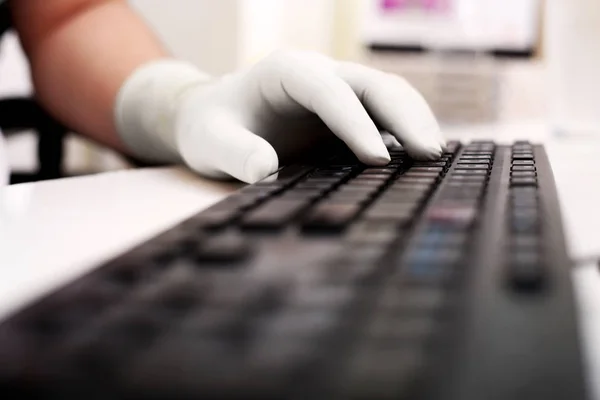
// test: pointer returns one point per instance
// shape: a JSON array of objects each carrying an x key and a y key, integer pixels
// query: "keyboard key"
[
  {"x": 466, "y": 178},
  {"x": 317, "y": 297},
  {"x": 485, "y": 163},
  {"x": 376, "y": 373},
  {"x": 522, "y": 168},
  {"x": 400, "y": 197},
  {"x": 439, "y": 170},
  {"x": 214, "y": 219},
  {"x": 525, "y": 225},
  {"x": 525, "y": 212},
  {"x": 386, "y": 327},
  {"x": 224, "y": 248},
  {"x": 521, "y": 181},
  {"x": 523, "y": 150},
  {"x": 409, "y": 179},
  {"x": 462, "y": 191},
  {"x": 399, "y": 215},
  {"x": 453, "y": 203},
  {"x": 349, "y": 188},
  {"x": 467, "y": 166},
  {"x": 332, "y": 174},
  {"x": 382, "y": 232},
  {"x": 397, "y": 151},
  {"x": 522, "y": 145},
  {"x": 348, "y": 199},
  {"x": 436, "y": 238},
  {"x": 411, "y": 300},
  {"x": 224, "y": 296},
  {"x": 520, "y": 202},
  {"x": 475, "y": 184},
  {"x": 373, "y": 177},
  {"x": 274, "y": 214},
  {"x": 334, "y": 168},
  {"x": 517, "y": 195},
  {"x": 430, "y": 164},
  {"x": 359, "y": 264},
  {"x": 526, "y": 271},
  {"x": 396, "y": 164},
  {"x": 330, "y": 216},
  {"x": 525, "y": 243},
  {"x": 366, "y": 182},
  {"x": 454, "y": 216},
  {"x": 470, "y": 172},
  {"x": 301, "y": 323},
  {"x": 263, "y": 186},
  {"x": 307, "y": 196},
  {"x": 523, "y": 162},
  {"x": 305, "y": 191},
  {"x": 378, "y": 171},
  {"x": 290, "y": 175},
  {"x": 488, "y": 147},
  {"x": 314, "y": 186},
  {"x": 475, "y": 157},
  {"x": 477, "y": 154},
  {"x": 400, "y": 186},
  {"x": 523, "y": 156},
  {"x": 429, "y": 266},
  {"x": 416, "y": 174},
  {"x": 321, "y": 181},
  {"x": 226, "y": 211},
  {"x": 523, "y": 174},
  {"x": 358, "y": 195}
]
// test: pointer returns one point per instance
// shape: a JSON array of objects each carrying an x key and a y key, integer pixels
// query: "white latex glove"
[{"x": 243, "y": 124}]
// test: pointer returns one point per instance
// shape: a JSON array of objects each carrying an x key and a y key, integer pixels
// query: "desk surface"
[{"x": 52, "y": 232}]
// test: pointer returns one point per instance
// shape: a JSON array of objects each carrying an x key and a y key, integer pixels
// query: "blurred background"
[{"x": 482, "y": 64}]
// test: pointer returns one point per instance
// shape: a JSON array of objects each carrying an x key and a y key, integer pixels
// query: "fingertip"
[
  {"x": 443, "y": 144},
  {"x": 380, "y": 160},
  {"x": 425, "y": 152},
  {"x": 441, "y": 140},
  {"x": 374, "y": 155},
  {"x": 260, "y": 164}
]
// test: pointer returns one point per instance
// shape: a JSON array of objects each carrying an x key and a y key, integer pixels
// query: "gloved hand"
[{"x": 243, "y": 124}]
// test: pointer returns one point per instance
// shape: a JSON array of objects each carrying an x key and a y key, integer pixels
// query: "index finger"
[{"x": 322, "y": 92}]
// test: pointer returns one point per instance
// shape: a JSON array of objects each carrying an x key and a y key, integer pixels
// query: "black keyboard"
[{"x": 446, "y": 279}]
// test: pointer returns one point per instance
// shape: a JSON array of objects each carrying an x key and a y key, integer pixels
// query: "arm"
[{"x": 81, "y": 52}]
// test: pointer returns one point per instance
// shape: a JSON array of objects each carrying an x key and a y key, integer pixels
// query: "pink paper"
[{"x": 430, "y": 5}]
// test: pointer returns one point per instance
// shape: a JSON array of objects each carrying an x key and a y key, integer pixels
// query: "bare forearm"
[{"x": 81, "y": 52}]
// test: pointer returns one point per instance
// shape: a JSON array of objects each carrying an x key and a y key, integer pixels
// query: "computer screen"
[{"x": 511, "y": 25}]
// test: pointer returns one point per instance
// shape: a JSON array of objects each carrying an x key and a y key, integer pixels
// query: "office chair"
[{"x": 25, "y": 114}]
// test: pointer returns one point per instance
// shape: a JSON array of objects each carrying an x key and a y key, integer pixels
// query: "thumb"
[{"x": 222, "y": 145}]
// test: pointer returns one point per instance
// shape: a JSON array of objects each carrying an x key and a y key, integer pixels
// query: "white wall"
[
  {"x": 205, "y": 32},
  {"x": 268, "y": 25},
  {"x": 222, "y": 35}
]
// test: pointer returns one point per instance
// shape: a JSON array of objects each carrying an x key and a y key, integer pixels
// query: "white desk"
[{"x": 52, "y": 232}]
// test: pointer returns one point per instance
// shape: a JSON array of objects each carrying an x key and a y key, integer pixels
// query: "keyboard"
[{"x": 445, "y": 279}]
